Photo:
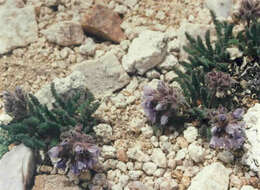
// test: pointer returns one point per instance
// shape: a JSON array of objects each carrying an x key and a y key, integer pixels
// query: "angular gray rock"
[
  {"x": 17, "y": 168},
  {"x": 145, "y": 52},
  {"x": 104, "y": 75},
  {"x": 210, "y": 177},
  {"x": 75, "y": 80},
  {"x": 252, "y": 123},
  {"x": 18, "y": 25},
  {"x": 65, "y": 33}
]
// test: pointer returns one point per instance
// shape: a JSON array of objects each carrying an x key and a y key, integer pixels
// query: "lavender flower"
[
  {"x": 163, "y": 103},
  {"x": 228, "y": 130},
  {"x": 15, "y": 103},
  {"x": 76, "y": 151},
  {"x": 249, "y": 10},
  {"x": 219, "y": 82}
]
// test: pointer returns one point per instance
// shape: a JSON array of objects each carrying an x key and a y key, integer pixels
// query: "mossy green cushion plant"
[{"x": 41, "y": 127}]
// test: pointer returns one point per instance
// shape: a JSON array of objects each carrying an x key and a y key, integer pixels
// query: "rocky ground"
[{"x": 115, "y": 56}]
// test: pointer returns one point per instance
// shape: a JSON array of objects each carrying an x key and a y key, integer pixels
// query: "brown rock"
[
  {"x": 104, "y": 23},
  {"x": 121, "y": 155},
  {"x": 51, "y": 182}
]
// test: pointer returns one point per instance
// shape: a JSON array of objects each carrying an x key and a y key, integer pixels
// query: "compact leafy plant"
[
  {"x": 227, "y": 129},
  {"x": 209, "y": 55},
  {"x": 163, "y": 104},
  {"x": 249, "y": 41},
  {"x": 41, "y": 127},
  {"x": 77, "y": 152}
]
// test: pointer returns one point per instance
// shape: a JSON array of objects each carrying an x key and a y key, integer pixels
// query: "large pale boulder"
[
  {"x": 212, "y": 177},
  {"x": 252, "y": 121},
  {"x": 104, "y": 75},
  {"x": 146, "y": 51},
  {"x": 18, "y": 25},
  {"x": 17, "y": 168}
]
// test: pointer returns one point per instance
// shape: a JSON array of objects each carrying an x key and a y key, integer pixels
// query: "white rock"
[
  {"x": 210, "y": 177},
  {"x": 137, "y": 154},
  {"x": 51, "y": 3},
  {"x": 234, "y": 53},
  {"x": 145, "y": 52},
  {"x": 129, "y": 3},
  {"x": 108, "y": 152},
  {"x": 160, "y": 15},
  {"x": 154, "y": 141},
  {"x": 17, "y": 168},
  {"x": 170, "y": 76},
  {"x": 226, "y": 156},
  {"x": 121, "y": 9},
  {"x": 197, "y": 153},
  {"x": 104, "y": 75},
  {"x": 181, "y": 154},
  {"x": 252, "y": 121},
  {"x": 149, "y": 168},
  {"x": 123, "y": 180},
  {"x": 168, "y": 63},
  {"x": 222, "y": 8},
  {"x": 136, "y": 185},
  {"x": 164, "y": 183},
  {"x": 147, "y": 131},
  {"x": 191, "y": 134},
  {"x": 18, "y": 25},
  {"x": 159, "y": 172},
  {"x": 5, "y": 118},
  {"x": 104, "y": 131},
  {"x": 152, "y": 74},
  {"x": 122, "y": 166},
  {"x": 159, "y": 158},
  {"x": 247, "y": 187},
  {"x": 135, "y": 175},
  {"x": 88, "y": 48},
  {"x": 110, "y": 164},
  {"x": 65, "y": 33},
  {"x": 75, "y": 80}
]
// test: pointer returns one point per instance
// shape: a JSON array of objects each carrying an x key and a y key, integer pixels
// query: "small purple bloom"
[{"x": 162, "y": 103}]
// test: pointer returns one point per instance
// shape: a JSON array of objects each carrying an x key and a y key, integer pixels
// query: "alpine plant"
[
  {"x": 227, "y": 129},
  {"x": 77, "y": 152},
  {"x": 163, "y": 103}
]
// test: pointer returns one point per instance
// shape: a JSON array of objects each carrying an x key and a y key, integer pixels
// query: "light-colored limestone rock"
[
  {"x": 18, "y": 25},
  {"x": 196, "y": 152},
  {"x": 17, "y": 168},
  {"x": 145, "y": 52},
  {"x": 104, "y": 75},
  {"x": 252, "y": 123},
  {"x": 210, "y": 177},
  {"x": 104, "y": 131},
  {"x": 159, "y": 158},
  {"x": 191, "y": 134}
]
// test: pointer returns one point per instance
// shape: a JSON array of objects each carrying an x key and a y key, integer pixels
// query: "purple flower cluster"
[
  {"x": 15, "y": 103},
  {"x": 76, "y": 151},
  {"x": 249, "y": 10},
  {"x": 162, "y": 103},
  {"x": 228, "y": 129},
  {"x": 219, "y": 82}
]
